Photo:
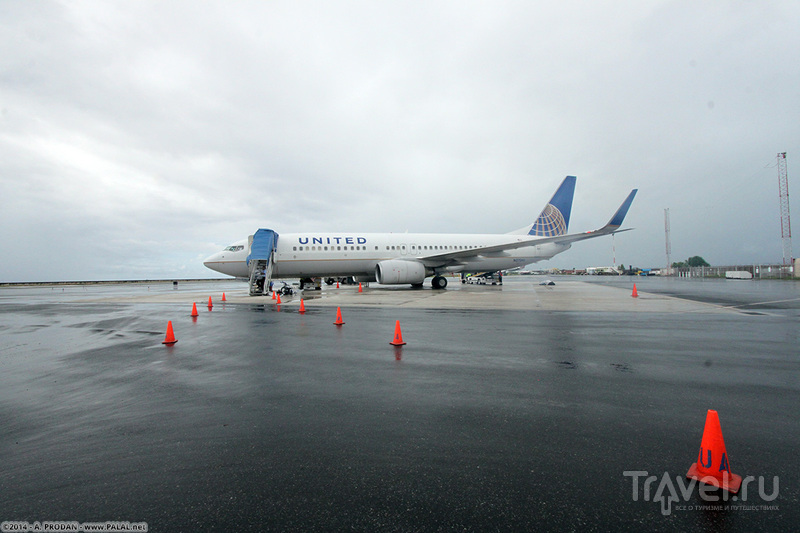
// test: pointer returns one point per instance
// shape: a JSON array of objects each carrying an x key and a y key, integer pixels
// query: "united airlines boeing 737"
[{"x": 406, "y": 258}]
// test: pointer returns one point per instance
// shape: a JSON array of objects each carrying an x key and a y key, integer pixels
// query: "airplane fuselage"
[{"x": 307, "y": 255}]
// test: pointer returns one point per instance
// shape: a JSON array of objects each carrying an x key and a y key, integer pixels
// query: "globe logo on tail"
[{"x": 550, "y": 223}]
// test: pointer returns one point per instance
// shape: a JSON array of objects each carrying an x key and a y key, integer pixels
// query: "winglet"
[
  {"x": 554, "y": 218},
  {"x": 619, "y": 216}
]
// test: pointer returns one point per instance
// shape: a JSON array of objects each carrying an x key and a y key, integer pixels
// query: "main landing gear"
[{"x": 439, "y": 282}]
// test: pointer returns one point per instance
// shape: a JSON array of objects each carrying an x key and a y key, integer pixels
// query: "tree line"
[{"x": 694, "y": 261}]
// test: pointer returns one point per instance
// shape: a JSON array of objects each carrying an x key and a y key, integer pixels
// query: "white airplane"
[{"x": 406, "y": 258}]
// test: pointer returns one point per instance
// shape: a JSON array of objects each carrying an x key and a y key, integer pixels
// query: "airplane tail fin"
[{"x": 554, "y": 218}]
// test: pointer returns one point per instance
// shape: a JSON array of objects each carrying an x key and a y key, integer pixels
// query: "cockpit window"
[{"x": 234, "y": 248}]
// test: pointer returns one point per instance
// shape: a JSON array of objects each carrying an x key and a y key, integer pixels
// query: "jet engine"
[{"x": 397, "y": 272}]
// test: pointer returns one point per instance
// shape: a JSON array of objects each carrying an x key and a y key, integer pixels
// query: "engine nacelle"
[{"x": 397, "y": 272}]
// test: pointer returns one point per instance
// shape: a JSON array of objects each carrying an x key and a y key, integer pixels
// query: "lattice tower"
[
  {"x": 667, "y": 237},
  {"x": 786, "y": 225}
]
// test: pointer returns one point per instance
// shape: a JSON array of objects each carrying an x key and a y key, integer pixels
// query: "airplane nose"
[{"x": 213, "y": 262}]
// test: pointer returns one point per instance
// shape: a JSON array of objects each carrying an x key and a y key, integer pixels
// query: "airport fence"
[{"x": 758, "y": 271}]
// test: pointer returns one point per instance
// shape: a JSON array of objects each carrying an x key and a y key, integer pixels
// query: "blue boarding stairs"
[{"x": 261, "y": 260}]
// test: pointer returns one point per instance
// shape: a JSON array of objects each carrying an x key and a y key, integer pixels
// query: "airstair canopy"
[{"x": 264, "y": 242}]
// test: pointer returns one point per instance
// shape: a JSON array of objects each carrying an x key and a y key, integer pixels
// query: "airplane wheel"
[{"x": 439, "y": 282}]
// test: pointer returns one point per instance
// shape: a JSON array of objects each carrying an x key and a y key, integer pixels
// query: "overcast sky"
[{"x": 137, "y": 138}]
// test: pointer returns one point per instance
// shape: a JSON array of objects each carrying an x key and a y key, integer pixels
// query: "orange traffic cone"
[
  {"x": 279, "y": 300},
  {"x": 359, "y": 287},
  {"x": 273, "y": 295},
  {"x": 339, "y": 320},
  {"x": 209, "y": 303},
  {"x": 170, "y": 339},
  {"x": 398, "y": 335},
  {"x": 302, "y": 306},
  {"x": 223, "y": 297},
  {"x": 337, "y": 284},
  {"x": 194, "y": 309},
  {"x": 635, "y": 293},
  {"x": 712, "y": 466}
]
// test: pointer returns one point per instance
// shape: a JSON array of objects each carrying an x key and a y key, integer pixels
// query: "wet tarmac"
[{"x": 489, "y": 419}]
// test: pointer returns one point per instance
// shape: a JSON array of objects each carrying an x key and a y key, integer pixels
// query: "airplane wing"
[{"x": 522, "y": 241}]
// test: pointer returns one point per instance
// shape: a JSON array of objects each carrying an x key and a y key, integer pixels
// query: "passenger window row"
[{"x": 354, "y": 248}]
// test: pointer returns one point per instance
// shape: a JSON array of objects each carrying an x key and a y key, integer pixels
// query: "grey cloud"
[{"x": 138, "y": 137}]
